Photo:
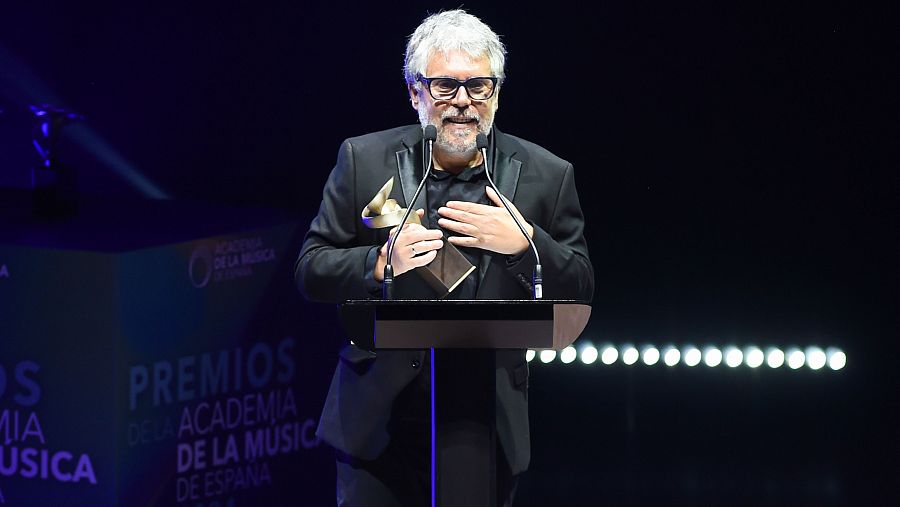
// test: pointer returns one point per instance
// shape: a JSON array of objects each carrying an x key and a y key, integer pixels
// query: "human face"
[{"x": 460, "y": 119}]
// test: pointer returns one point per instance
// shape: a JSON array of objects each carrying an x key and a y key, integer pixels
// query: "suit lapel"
[
  {"x": 409, "y": 175},
  {"x": 506, "y": 177}
]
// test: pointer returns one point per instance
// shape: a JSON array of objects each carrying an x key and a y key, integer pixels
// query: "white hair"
[{"x": 452, "y": 30}]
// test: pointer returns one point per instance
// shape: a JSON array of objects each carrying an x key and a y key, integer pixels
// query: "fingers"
[
  {"x": 469, "y": 207},
  {"x": 457, "y": 214},
  {"x": 474, "y": 207},
  {"x": 415, "y": 234},
  {"x": 458, "y": 227},
  {"x": 413, "y": 257},
  {"x": 421, "y": 260},
  {"x": 421, "y": 247},
  {"x": 468, "y": 241},
  {"x": 488, "y": 227},
  {"x": 493, "y": 196},
  {"x": 498, "y": 201},
  {"x": 420, "y": 234},
  {"x": 406, "y": 227}
]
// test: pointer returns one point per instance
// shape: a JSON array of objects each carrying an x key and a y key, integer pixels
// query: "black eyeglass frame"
[{"x": 427, "y": 82}]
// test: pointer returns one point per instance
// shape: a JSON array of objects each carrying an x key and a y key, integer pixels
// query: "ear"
[{"x": 413, "y": 95}]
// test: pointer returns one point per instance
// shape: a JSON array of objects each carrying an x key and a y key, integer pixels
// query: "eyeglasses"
[{"x": 445, "y": 88}]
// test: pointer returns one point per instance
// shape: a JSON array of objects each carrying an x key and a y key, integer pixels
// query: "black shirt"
[
  {"x": 410, "y": 416},
  {"x": 467, "y": 186}
]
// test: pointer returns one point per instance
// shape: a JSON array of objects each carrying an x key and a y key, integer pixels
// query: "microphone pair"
[{"x": 429, "y": 134}]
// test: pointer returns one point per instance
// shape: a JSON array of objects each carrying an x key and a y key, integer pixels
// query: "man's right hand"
[{"x": 417, "y": 247}]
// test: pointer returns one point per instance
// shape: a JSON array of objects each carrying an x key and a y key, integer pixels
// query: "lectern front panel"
[{"x": 469, "y": 334}]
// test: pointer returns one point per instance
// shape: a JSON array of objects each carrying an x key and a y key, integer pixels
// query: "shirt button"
[{"x": 416, "y": 363}]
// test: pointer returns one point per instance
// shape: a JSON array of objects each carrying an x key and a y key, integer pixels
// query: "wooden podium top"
[{"x": 475, "y": 324}]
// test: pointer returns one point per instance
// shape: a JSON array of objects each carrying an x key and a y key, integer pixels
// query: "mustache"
[{"x": 469, "y": 114}]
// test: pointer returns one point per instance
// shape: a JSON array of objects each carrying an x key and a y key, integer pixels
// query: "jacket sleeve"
[
  {"x": 566, "y": 268},
  {"x": 332, "y": 266}
]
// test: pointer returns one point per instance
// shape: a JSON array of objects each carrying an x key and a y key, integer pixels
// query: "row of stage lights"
[{"x": 794, "y": 358}]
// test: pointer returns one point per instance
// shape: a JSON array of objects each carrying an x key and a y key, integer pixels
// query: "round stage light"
[
  {"x": 795, "y": 358},
  {"x": 836, "y": 358},
  {"x": 650, "y": 355},
  {"x": 588, "y": 354},
  {"x": 692, "y": 356},
  {"x": 671, "y": 356},
  {"x": 712, "y": 357},
  {"x": 568, "y": 355},
  {"x": 733, "y": 357},
  {"x": 529, "y": 356},
  {"x": 630, "y": 355},
  {"x": 774, "y": 357},
  {"x": 547, "y": 356},
  {"x": 609, "y": 355},
  {"x": 754, "y": 357},
  {"x": 815, "y": 358}
]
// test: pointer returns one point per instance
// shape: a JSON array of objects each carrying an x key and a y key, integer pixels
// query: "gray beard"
[{"x": 454, "y": 144}]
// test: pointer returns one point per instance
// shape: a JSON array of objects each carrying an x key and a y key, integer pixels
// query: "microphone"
[
  {"x": 429, "y": 134},
  {"x": 481, "y": 142}
]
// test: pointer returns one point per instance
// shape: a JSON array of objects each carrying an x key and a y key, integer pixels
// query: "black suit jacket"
[{"x": 337, "y": 257}]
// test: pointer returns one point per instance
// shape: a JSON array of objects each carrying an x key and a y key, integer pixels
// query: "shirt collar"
[{"x": 468, "y": 174}]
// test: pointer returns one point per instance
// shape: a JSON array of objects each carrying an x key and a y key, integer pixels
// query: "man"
[{"x": 376, "y": 414}]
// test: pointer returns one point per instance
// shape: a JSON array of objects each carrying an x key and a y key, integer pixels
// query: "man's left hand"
[{"x": 486, "y": 227}]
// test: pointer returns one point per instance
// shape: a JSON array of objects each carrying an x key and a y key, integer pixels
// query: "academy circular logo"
[{"x": 201, "y": 266}]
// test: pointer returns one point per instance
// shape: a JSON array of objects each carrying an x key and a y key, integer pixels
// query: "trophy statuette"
[{"x": 448, "y": 269}]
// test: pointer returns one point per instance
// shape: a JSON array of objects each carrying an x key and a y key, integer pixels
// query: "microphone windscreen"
[
  {"x": 430, "y": 133},
  {"x": 481, "y": 141}
]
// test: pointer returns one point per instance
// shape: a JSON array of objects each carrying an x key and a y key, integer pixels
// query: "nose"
[{"x": 461, "y": 99}]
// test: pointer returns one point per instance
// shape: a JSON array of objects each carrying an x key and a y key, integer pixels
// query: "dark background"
[{"x": 736, "y": 165}]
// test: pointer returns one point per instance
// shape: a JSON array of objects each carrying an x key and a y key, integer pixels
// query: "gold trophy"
[{"x": 447, "y": 270}]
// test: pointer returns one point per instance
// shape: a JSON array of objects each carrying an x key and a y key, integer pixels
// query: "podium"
[{"x": 463, "y": 336}]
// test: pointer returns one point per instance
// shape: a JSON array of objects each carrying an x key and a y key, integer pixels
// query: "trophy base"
[{"x": 447, "y": 270}]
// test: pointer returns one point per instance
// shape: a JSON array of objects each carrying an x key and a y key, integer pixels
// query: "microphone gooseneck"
[
  {"x": 537, "y": 281},
  {"x": 429, "y": 134}
]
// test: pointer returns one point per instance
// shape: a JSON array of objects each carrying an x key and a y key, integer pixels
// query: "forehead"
[{"x": 458, "y": 64}]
